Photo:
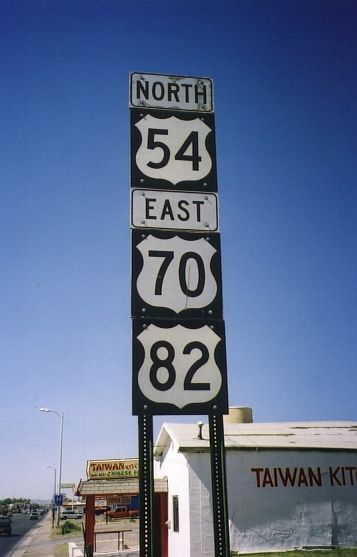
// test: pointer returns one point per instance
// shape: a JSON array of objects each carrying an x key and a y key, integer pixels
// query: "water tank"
[{"x": 239, "y": 415}]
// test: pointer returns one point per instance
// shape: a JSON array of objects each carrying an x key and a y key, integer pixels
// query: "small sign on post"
[
  {"x": 172, "y": 92},
  {"x": 172, "y": 210}
]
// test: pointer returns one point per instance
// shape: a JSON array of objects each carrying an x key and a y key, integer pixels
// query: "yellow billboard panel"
[{"x": 111, "y": 469}]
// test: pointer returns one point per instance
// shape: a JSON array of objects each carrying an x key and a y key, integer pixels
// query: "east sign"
[{"x": 170, "y": 210}]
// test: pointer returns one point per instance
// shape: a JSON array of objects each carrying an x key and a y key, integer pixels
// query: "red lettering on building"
[{"x": 288, "y": 477}]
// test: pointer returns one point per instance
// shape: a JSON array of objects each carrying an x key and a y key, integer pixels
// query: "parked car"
[
  {"x": 33, "y": 515},
  {"x": 5, "y": 525},
  {"x": 123, "y": 512},
  {"x": 67, "y": 515}
]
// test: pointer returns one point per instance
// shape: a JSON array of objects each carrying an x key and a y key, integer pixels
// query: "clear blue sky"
[{"x": 285, "y": 79}]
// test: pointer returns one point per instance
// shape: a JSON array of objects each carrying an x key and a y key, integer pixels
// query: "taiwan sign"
[{"x": 111, "y": 469}]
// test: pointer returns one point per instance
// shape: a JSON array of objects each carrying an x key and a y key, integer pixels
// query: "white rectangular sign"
[
  {"x": 172, "y": 92},
  {"x": 170, "y": 210}
]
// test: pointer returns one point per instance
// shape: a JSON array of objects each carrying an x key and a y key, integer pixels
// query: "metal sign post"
[
  {"x": 146, "y": 484},
  {"x": 179, "y": 348},
  {"x": 219, "y": 488}
]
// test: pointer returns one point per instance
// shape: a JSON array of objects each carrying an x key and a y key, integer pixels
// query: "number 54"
[{"x": 191, "y": 143}]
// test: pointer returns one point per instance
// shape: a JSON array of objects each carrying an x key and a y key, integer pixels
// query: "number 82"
[{"x": 167, "y": 363}]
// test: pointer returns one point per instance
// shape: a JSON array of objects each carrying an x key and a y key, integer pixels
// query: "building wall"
[
  {"x": 276, "y": 499},
  {"x": 175, "y": 467},
  {"x": 286, "y": 499},
  {"x": 202, "y": 538},
  {"x": 189, "y": 477}
]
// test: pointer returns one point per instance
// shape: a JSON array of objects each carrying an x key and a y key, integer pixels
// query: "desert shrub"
[{"x": 68, "y": 526}]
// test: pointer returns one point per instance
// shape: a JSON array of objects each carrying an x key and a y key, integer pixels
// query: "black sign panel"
[
  {"x": 176, "y": 274},
  {"x": 179, "y": 367},
  {"x": 173, "y": 150}
]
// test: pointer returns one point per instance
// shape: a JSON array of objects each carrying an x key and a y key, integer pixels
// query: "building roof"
[
  {"x": 127, "y": 486},
  {"x": 288, "y": 435}
]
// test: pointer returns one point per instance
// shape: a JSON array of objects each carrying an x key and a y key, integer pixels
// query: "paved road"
[{"x": 21, "y": 524}]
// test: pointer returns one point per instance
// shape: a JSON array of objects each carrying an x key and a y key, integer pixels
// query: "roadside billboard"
[{"x": 112, "y": 469}]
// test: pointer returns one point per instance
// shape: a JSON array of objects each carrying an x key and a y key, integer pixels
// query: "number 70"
[{"x": 185, "y": 258}]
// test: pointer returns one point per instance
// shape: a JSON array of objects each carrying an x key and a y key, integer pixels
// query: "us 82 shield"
[
  {"x": 176, "y": 274},
  {"x": 179, "y": 367},
  {"x": 173, "y": 150}
]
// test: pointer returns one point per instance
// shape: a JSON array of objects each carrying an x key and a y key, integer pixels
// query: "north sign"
[
  {"x": 170, "y": 210},
  {"x": 173, "y": 151},
  {"x": 171, "y": 92},
  {"x": 176, "y": 274},
  {"x": 179, "y": 367}
]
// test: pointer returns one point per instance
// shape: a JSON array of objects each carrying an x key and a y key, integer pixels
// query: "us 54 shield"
[{"x": 174, "y": 150}]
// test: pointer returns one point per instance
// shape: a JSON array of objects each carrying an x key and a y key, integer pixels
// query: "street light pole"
[
  {"x": 55, "y": 482},
  {"x": 54, "y": 495},
  {"x": 61, "y": 416}
]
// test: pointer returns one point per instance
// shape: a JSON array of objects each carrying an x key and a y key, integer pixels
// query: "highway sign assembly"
[{"x": 178, "y": 332}]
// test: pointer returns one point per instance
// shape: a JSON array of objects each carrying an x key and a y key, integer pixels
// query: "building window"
[{"x": 175, "y": 513}]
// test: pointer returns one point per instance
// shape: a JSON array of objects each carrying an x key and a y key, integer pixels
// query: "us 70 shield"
[
  {"x": 176, "y": 274},
  {"x": 179, "y": 367},
  {"x": 173, "y": 150}
]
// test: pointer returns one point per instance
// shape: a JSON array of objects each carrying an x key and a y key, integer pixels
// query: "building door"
[{"x": 160, "y": 518}]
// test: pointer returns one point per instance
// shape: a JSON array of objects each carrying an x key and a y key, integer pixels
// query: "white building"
[{"x": 290, "y": 485}]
